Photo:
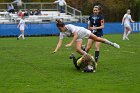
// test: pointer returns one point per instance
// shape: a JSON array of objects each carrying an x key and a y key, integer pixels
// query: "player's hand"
[
  {"x": 68, "y": 45},
  {"x": 133, "y": 21},
  {"x": 53, "y": 52},
  {"x": 91, "y": 28}
]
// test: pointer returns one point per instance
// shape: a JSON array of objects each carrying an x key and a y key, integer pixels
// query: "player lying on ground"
[
  {"x": 86, "y": 63},
  {"x": 79, "y": 33}
]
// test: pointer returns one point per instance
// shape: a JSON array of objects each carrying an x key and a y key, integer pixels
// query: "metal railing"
[
  {"x": 45, "y": 6},
  {"x": 74, "y": 12}
]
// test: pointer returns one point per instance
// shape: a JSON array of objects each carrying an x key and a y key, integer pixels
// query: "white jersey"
[
  {"x": 61, "y": 2},
  {"x": 127, "y": 19},
  {"x": 81, "y": 32},
  {"x": 22, "y": 24}
]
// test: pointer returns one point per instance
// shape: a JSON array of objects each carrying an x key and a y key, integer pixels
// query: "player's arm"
[
  {"x": 56, "y": 1},
  {"x": 100, "y": 27},
  {"x": 123, "y": 19},
  {"x": 58, "y": 45},
  {"x": 14, "y": 2},
  {"x": 91, "y": 27},
  {"x": 73, "y": 40},
  {"x": 18, "y": 25},
  {"x": 132, "y": 20},
  {"x": 65, "y": 2}
]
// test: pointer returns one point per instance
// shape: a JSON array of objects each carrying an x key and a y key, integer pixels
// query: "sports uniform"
[
  {"x": 21, "y": 27},
  {"x": 22, "y": 24},
  {"x": 95, "y": 21},
  {"x": 81, "y": 32},
  {"x": 85, "y": 63},
  {"x": 126, "y": 22},
  {"x": 127, "y": 19}
]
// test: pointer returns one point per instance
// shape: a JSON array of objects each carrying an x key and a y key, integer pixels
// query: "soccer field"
[{"x": 28, "y": 66}]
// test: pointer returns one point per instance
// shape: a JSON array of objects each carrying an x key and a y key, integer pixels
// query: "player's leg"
[
  {"x": 129, "y": 31},
  {"x": 78, "y": 45},
  {"x": 74, "y": 61},
  {"x": 99, "y": 39},
  {"x": 19, "y": 35},
  {"x": 124, "y": 34},
  {"x": 97, "y": 51},
  {"x": 89, "y": 45},
  {"x": 22, "y": 31}
]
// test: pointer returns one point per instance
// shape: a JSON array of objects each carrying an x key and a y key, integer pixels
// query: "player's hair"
[
  {"x": 97, "y": 6},
  {"x": 88, "y": 58},
  {"x": 59, "y": 23}
]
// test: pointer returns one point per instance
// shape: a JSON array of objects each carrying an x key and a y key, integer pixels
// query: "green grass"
[{"x": 27, "y": 66}]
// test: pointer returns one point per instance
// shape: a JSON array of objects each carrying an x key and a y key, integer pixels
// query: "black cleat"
[
  {"x": 71, "y": 56},
  {"x": 17, "y": 38},
  {"x": 83, "y": 47}
]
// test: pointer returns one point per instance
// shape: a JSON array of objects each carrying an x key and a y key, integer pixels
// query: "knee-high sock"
[
  {"x": 96, "y": 55},
  {"x": 109, "y": 42},
  {"x": 128, "y": 33},
  {"x": 124, "y": 35},
  {"x": 19, "y": 35},
  {"x": 75, "y": 62},
  {"x": 23, "y": 36}
]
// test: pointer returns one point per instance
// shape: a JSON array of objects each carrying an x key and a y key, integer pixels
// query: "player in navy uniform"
[{"x": 96, "y": 24}]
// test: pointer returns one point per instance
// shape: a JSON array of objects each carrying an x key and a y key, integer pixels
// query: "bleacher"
[
  {"x": 3, "y": 17},
  {"x": 47, "y": 15}
]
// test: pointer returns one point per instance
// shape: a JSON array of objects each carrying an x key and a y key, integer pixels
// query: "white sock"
[
  {"x": 19, "y": 35},
  {"x": 128, "y": 33},
  {"x": 109, "y": 42},
  {"x": 23, "y": 37},
  {"x": 124, "y": 35},
  {"x": 85, "y": 53}
]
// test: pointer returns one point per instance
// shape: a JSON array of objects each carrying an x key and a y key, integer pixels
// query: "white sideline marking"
[
  {"x": 124, "y": 51},
  {"x": 128, "y": 52},
  {"x": 134, "y": 45}
]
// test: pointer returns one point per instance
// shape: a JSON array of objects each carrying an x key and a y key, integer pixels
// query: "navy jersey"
[{"x": 96, "y": 21}]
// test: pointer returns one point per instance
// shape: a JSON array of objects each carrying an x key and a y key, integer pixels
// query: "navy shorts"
[{"x": 99, "y": 34}]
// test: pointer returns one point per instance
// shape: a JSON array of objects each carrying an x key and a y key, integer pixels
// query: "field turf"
[{"x": 28, "y": 66}]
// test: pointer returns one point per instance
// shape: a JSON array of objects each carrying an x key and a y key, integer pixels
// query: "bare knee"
[{"x": 97, "y": 48}]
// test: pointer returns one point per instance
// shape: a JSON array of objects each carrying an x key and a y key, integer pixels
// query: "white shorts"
[
  {"x": 21, "y": 28},
  {"x": 127, "y": 25},
  {"x": 83, "y": 33}
]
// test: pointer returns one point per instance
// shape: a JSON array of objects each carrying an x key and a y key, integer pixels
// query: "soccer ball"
[{"x": 88, "y": 68}]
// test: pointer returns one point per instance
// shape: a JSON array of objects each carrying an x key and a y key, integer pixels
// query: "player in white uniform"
[
  {"x": 79, "y": 33},
  {"x": 126, "y": 22},
  {"x": 21, "y": 27}
]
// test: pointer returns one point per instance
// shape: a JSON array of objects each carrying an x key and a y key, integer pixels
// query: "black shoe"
[
  {"x": 71, "y": 56},
  {"x": 17, "y": 38},
  {"x": 83, "y": 47}
]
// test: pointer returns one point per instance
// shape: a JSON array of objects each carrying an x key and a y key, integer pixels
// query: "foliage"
[{"x": 113, "y": 10}]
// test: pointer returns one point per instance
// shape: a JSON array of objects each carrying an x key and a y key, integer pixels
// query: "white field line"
[{"x": 131, "y": 52}]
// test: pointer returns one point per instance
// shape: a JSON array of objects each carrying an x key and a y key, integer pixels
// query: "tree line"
[{"x": 113, "y": 10}]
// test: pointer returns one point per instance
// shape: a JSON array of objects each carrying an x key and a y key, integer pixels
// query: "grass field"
[{"x": 27, "y": 66}]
